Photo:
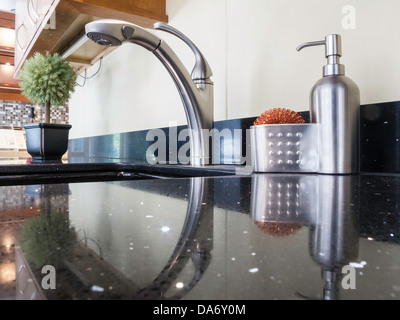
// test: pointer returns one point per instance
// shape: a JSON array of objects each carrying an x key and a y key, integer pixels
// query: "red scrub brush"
[
  {"x": 279, "y": 229},
  {"x": 279, "y": 116}
]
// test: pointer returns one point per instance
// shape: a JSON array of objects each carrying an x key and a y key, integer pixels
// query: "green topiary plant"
[{"x": 47, "y": 80}]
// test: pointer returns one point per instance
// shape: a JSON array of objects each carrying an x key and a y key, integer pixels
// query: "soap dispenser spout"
[
  {"x": 333, "y": 52},
  {"x": 311, "y": 44}
]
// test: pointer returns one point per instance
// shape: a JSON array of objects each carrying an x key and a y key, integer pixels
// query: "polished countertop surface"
[{"x": 226, "y": 236}]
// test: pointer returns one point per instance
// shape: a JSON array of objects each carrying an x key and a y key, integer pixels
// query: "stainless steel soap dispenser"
[{"x": 335, "y": 107}]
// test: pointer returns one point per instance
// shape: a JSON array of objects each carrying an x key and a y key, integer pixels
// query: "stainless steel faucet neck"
[
  {"x": 197, "y": 93},
  {"x": 196, "y": 90}
]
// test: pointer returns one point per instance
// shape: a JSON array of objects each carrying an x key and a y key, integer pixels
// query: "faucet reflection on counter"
[
  {"x": 50, "y": 240},
  {"x": 195, "y": 243}
]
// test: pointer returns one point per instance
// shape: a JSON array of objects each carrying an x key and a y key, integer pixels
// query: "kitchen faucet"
[{"x": 196, "y": 90}]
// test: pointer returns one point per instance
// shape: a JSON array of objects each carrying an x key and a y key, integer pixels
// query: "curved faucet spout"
[{"x": 196, "y": 91}]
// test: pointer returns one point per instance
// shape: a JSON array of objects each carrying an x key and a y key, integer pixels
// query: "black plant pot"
[{"x": 47, "y": 141}]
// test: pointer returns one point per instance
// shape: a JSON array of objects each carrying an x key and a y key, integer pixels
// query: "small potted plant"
[{"x": 47, "y": 80}]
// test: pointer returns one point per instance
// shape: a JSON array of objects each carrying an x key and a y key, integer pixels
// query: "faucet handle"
[{"x": 202, "y": 70}]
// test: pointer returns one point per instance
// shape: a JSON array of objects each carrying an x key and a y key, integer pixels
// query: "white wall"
[
  {"x": 250, "y": 46},
  {"x": 7, "y": 5}
]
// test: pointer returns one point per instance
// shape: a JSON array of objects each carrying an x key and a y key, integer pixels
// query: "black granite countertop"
[{"x": 162, "y": 235}]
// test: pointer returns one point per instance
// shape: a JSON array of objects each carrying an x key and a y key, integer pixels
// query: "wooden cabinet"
[
  {"x": 31, "y": 17},
  {"x": 70, "y": 18},
  {"x": 42, "y": 9},
  {"x": 9, "y": 88},
  {"x": 25, "y": 28}
]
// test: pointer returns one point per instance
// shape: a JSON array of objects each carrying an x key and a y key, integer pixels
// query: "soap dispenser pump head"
[{"x": 333, "y": 52}]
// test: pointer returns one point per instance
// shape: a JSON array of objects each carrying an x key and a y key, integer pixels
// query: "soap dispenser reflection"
[{"x": 335, "y": 106}]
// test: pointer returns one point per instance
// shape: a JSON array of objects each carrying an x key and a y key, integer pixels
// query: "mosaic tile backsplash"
[{"x": 18, "y": 113}]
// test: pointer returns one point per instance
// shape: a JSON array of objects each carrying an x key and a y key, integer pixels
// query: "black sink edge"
[{"x": 58, "y": 169}]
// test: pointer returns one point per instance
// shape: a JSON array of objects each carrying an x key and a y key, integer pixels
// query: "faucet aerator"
[{"x": 104, "y": 39}]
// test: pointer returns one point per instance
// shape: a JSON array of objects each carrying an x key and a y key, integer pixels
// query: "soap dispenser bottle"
[{"x": 335, "y": 107}]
